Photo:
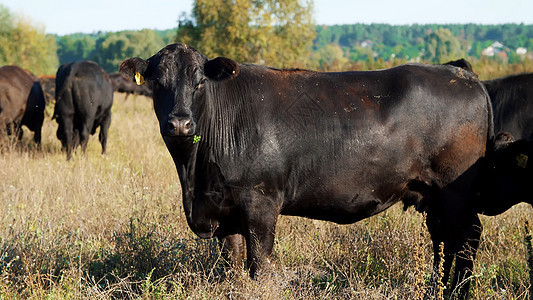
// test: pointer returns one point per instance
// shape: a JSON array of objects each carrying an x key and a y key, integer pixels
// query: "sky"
[{"x": 88, "y": 16}]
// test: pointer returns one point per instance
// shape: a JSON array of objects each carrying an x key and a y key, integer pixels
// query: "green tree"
[
  {"x": 74, "y": 48},
  {"x": 24, "y": 44},
  {"x": 331, "y": 58},
  {"x": 112, "y": 48},
  {"x": 277, "y": 33},
  {"x": 442, "y": 46}
]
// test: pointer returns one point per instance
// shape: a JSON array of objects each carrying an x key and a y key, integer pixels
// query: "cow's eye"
[{"x": 201, "y": 83}]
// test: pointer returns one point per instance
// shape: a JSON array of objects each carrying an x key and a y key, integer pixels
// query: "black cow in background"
[
  {"x": 34, "y": 114},
  {"x": 251, "y": 142},
  {"x": 122, "y": 85},
  {"x": 21, "y": 101},
  {"x": 84, "y": 96},
  {"x": 48, "y": 84},
  {"x": 506, "y": 176},
  {"x": 512, "y": 101}
]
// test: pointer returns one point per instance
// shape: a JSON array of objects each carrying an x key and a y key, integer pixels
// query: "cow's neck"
[
  {"x": 227, "y": 120},
  {"x": 200, "y": 178},
  {"x": 184, "y": 154}
]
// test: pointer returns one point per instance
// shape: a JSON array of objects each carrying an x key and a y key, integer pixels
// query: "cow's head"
[{"x": 178, "y": 75}]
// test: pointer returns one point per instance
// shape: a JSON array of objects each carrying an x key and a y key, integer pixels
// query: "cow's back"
[
  {"x": 84, "y": 85},
  {"x": 15, "y": 86}
]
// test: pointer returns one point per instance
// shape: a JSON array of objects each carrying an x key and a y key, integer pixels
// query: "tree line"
[
  {"x": 274, "y": 33},
  {"x": 108, "y": 49},
  {"x": 431, "y": 42}
]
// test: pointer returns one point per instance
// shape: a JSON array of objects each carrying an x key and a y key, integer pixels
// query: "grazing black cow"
[
  {"x": 48, "y": 84},
  {"x": 506, "y": 176},
  {"x": 21, "y": 101},
  {"x": 122, "y": 85},
  {"x": 512, "y": 102},
  {"x": 251, "y": 142},
  {"x": 84, "y": 97}
]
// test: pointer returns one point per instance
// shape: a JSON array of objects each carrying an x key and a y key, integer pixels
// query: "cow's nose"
[{"x": 180, "y": 126}]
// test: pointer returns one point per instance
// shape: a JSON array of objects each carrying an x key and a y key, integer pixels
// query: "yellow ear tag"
[
  {"x": 522, "y": 160},
  {"x": 139, "y": 78}
]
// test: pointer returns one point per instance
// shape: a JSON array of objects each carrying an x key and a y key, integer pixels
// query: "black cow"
[
  {"x": 251, "y": 142},
  {"x": 21, "y": 101},
  {"x": 506, "y": 176},
  {"x": 122, "y": 85},
  {"x": 512, "y": 102},
  {"x": 84, "y": 97},
  {"x": 48, "y": 84}
]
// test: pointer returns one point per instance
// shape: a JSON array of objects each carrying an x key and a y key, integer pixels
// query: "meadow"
[{"x": 112, "y": 226}]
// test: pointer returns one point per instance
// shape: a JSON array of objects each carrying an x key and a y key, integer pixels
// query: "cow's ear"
[
  {"x": 502, "y": 140},
  {"x": 133, "y": 69},
  {"x": 221, "y": 68}
]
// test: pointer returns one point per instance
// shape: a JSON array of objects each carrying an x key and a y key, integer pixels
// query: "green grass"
[{"x": 113, "y": 226}]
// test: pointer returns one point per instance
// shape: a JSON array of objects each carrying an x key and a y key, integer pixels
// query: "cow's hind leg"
[
  {"x": 459, "y": 236},
  {"x": 37, "y": 128},
  {"x": 37, "y": 137},
  {"x": 84, "y": 133},
  {"x": 443, "y": 256},
  {"x": 19, "y": 132},
  {"x": 464, "y": 260},
  {"x": 14, "y": 129},
  {"x": 66, "y": 134},
  {"x": 104, "y": 128},
  {"x": 233, "y": 249}
]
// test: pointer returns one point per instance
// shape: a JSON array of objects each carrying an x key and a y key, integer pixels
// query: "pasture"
[{"x": 113, "y": 226}]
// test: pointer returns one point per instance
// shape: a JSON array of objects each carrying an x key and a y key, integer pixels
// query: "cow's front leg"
[
  {"x": 233, "y": 248},
  {"x": 260, "y": 213}
]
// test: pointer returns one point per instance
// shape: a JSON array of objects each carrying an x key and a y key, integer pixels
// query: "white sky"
[{"x": 87, "y": 16}]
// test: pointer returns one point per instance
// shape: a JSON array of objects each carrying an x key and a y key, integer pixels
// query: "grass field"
[{"x": 113, "y": 227}]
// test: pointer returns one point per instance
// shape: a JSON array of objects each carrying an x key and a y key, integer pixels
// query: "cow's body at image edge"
[
  {"x": 504, "y": 178},
  {"x": 84, "y": 97},
  {"x": 21, "y": 101},
  {"x": 512, "y": 100},
  {"x": 331, "y": 146}
]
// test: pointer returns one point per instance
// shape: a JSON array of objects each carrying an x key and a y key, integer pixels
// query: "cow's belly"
[{"x": 342, "y": 208}]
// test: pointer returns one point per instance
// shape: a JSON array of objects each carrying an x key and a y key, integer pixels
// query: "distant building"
[
  {"x": 493, "y": 49},
  {"x": 367, "y": 44},
  {"x": 521, "y": 51}
]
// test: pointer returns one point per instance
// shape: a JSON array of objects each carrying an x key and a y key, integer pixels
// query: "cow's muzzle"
[{"x": 180, "y": 126}]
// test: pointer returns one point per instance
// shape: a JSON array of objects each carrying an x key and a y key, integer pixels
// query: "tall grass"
[{"x": 113, "y": 226}]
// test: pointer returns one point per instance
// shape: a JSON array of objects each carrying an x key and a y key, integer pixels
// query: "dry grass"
[{"x": 113, "y": 226}]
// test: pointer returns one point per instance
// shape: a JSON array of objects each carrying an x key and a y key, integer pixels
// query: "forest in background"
[
  {"x": 339, "y": 47},
  {"x": 492, "y": 49}
]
